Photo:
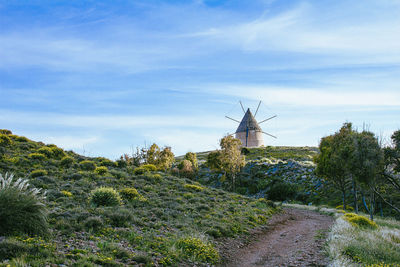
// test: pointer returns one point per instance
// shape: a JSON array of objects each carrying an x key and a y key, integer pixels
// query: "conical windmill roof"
[{"x": 248, "y": 122}]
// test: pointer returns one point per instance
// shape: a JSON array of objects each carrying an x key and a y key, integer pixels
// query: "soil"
[{"x": 293, "y": 237}]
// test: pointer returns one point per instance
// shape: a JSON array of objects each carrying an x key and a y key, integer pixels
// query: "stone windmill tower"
[{"x": 249, "y": 130}]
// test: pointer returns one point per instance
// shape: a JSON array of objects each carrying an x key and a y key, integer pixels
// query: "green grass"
[{"x": 145, "y": 228}]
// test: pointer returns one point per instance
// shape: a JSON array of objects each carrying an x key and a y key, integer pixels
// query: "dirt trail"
[{"x": 293, "y": 238}]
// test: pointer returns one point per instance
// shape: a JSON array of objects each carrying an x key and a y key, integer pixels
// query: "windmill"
[{"x": 249, "y": 130}]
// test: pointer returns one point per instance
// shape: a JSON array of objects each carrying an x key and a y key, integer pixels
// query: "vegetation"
[
  {"x": 21, "y": 208},
  {"x": 155, "y": 220}
]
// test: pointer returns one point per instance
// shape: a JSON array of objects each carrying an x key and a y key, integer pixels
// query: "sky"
[{"x": 103, "y": 77}]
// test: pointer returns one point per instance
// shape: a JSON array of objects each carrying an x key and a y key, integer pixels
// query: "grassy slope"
[{"x": 140, "y": 231}]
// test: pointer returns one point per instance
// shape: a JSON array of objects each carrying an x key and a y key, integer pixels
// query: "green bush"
[
  {"x": 38, "y": 173},
  {"x": 66, "y": 161},
  {"x": 93, "y": 222},
  {"x": 120, "y": 217},
  {"x": 105, "y": 196},
  {"x": 87, "y": 165},
  {"x": 280, "y": 191},
  {"x": 194, "y": 187},
  {"x": 21, "y": 208},
  {"x": 21, "y": 139},
  {"x": 360, "y": 221},
  {"x": 130, "y": 194},
  {"x": 144, "y": 169},
  {"x": 101, "y": 170},
  {"x": 5, "y": 131},
  {"x": 57, "y": 153},
  {"x": 4, "y": 140},
  {"x": 107, "y": 162},
  {"x": 195, "y": 248},
  {"x": 37, "y": 156},
  {"x": 186, "y": 168},
  {"x": 45, "y": 151},
  {"x": 11, "y": 249},
  {"x": 349, "y": 208}
]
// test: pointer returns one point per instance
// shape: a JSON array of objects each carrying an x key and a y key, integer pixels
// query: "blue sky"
[{"x": 101, "y": 77}]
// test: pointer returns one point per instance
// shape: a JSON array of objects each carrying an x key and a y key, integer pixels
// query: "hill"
[{"x": 161, "y": 219}]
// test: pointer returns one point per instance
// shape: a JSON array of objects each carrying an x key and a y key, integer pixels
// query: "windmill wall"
[{"x": 255, "y": 138}]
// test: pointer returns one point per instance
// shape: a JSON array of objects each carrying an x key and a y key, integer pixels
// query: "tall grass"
[{"x": 21, "y": 208}]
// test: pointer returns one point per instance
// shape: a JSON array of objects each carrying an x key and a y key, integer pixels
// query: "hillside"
[
  {"x": 278, "y": 173},
  {"x": 162, "y": 219}
]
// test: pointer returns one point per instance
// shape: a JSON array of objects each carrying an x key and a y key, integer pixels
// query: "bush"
[
  {"x": 144, "y": 169},
  {"x": 360, "y": 221},
  {"x": 101, "y": 170},
  {"x": 38, "y": 173},
  {"x": 45, "y": 151},
  {"x": 57, "y": 153},
  {"x": 87, "y": 165},
  {"x": 4, "y": 140},
  {"x": 107, "y": 162},
  {"x": 93, "y": 222},
  {"x": 120, "y": 217},
  {"x": 131, "y": 194},
  {"x": 5, "y": 131},
  {"x": 196, "y": 249},
  {"x": 186, "y": 168},
  {"x": 66, "y": 161},
  {"x": 194, "y": 187},
  {"x": 66, "y": 193},
  {"x": 21, "y": 139},
  {"x": 349, "y": 208},
  {"x": 105, "y": 196},
  {"x": 21, "y": 208},
  {"x": 37, "y": 156},
  {"x": 190, "y": 156},
  {"x": 11, "y": 249},
  {"x": 280, "y": 191}
]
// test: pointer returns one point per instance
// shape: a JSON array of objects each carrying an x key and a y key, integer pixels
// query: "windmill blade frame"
[{"x": 268, "y": 119}]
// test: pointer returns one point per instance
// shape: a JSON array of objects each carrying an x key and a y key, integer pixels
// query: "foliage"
[
  {"x": 21, "y": 208},
  {"x": 130, "y": 194},
  {"x": 144, "y": 169},
  {"x": 198, "y": 250},
  {"x": 101, "y": 170},
  {"x": 214, "y": 160},
  {"x": 360, "y": 221},
  {"x": 37, "y": 156},
  {"x": 88, "y": 165},
  {"x": 190, "y": 156},
  {"x": 185, "y": 168},
  {"x": 105, "y": 196},
  {"x": 66, "y": 193},
  {"x": 349, "y": 208},
  {"x": 280, "y": 191},
  {"x": 5, "y": 131},
  {"x": 66, "y": 161},
  {"x": 194, "y": 187},
  {"x": 4, "y": 140},
  {"x": 38, "y": 173}
]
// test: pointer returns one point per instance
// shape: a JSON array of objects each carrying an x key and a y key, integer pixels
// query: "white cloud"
[{"x": 310, "y": 97}]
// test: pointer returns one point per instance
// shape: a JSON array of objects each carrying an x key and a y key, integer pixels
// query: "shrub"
[
  {"x": 66, "y": 193},
  {"x": 4, "y": 140},
  {"x": 154, "y": 177},
  {"x": 186, "y": 168},
  {"x": 57, "y": 152},
  {"x": 190, "y": 156},
  {"x": 280, "y": 191},
  {"x": 21, "y": 208},
  {"x": 105, "y": 196},
  {"x": 131, "y": 194},
  {"x": 120, "y": 217},
  {"x": 198, "y": 250},
  {"x": 144, "y": 168},
  {"x": 93, "y": 222},
  {"x": 5, "y": 131},
  {"x": 38, "y": 173},
  {"x": 349, "y": 208},
  {"x": 106, "y": 162},
  {"x": 37, "y": 156},
  {"x": 101, "y": 170},
  {"x": 87, "y": 165},
  {"x": 194, "y": 187},
  {"x": 21, "y": 139},
  {"x": 11, "y": 249},
  {"x": 45, "y": 151},
  {"x": 66, "y": 161},
  {"x": 360, "y": 221}
]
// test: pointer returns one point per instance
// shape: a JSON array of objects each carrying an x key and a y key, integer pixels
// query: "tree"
[
  {"x": 232, "y": 161},
  {"x": 333, "y": 159},
  {"x": 367, "y": 165},
  {"x": 166, "y": 158},
  {"x": 190, "y": 156},
  {"x": 153, "y": 154}
]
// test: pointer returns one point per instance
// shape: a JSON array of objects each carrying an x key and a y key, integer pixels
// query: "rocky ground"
[{"x": 294, "y": 237}]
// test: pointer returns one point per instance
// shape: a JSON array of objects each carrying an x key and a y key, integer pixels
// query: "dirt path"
[{"x": 293, "y": 238}]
